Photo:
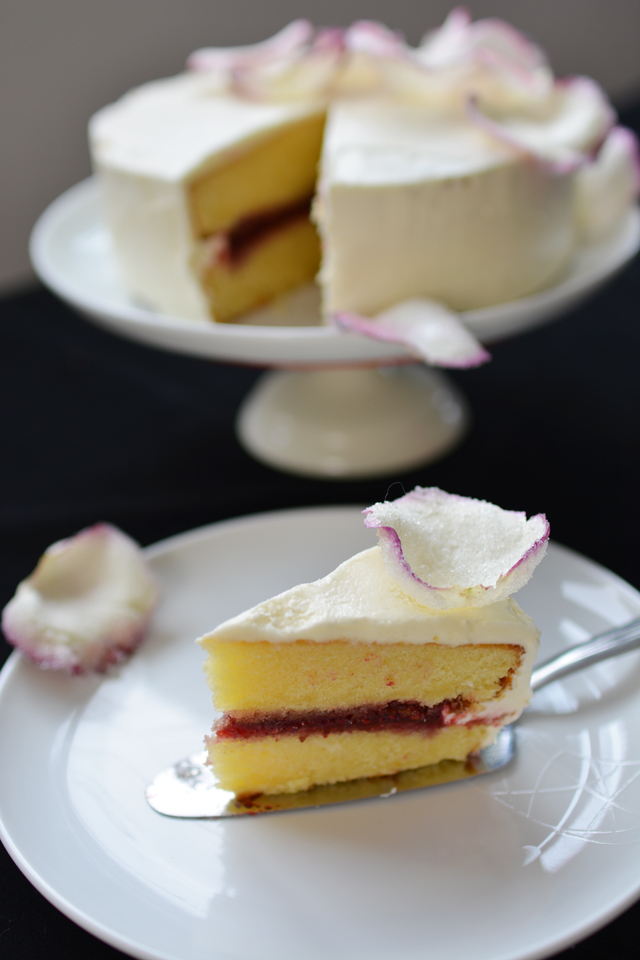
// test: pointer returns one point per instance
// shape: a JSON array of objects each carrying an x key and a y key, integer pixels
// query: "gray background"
[{"x": 60, "y": 60}]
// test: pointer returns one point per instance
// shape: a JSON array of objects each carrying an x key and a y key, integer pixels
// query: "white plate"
[
  {"x": 71, "y": 253},
  {"x": 512, "y": 865}
]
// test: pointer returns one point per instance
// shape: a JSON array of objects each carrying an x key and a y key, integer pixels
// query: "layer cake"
[{"x": 446, "y": 171}]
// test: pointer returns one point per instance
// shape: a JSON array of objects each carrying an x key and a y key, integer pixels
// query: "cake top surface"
[
  {"x": 359, "y": 601},
  {"x": 376, "y": 141},
  {"x": 170, "y": 128}
]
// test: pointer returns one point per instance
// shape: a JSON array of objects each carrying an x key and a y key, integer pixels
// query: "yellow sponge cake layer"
[
  {"x": 261, "y": 677},
  {"x": 286, "y": 765},
  {"x": 278, "y": 261},
  {"x": 180, "y": 163},
  {"x": 272, "y": 173}
]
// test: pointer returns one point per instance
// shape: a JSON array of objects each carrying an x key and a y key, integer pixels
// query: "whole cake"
[
  {"x": 407, "y": 654},
  {"x": 447, "y": 171}
]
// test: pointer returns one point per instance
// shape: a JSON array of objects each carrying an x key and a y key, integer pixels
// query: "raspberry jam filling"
[
  {"x": 397, "y": 715},
  {"x": 252, "y": 230}
]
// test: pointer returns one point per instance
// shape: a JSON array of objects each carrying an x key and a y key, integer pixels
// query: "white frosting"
[
  {"x": 415, "y": 203},
  {"x": 173, "y": 129},
  {"x": 360, "y": 602},
  {"x": 153, "y": 242},
  {"x": 376, "y": 142}
]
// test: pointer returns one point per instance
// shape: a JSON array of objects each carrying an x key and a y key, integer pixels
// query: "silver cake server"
[{"x": 189, "y": 789}]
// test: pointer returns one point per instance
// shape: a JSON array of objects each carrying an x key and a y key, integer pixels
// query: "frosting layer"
[
  {"x": 359, "y": 601},
  {"x": 418, "y": 202}
]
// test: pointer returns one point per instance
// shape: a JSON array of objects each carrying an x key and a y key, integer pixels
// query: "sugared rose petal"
[
  {"x": 608, "y": 187},
  {"x": 428, "y": 329},
  {"x": 446, "y": 551},
  {"x": 299, "y": 78},
  {"x": 566, "y": 135},
  {"x": 368, "y": 36},
  {"x": 488, "y": 58},
  {"x": 296, "y": 63},
  {"x": 87, "y": 604},
  {"x": 284, "y": 44}
]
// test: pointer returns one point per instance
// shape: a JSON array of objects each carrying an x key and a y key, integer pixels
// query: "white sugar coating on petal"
[
  {"x": 566, "y": 134},
  {"x": 608, "y": 187},
  {"x": 489, "y": 58},
  {"x": 430, "y": 330},
  {"x": 434, "y": 332},
  {"x": 290, "y": 39},
  {"x": 86, "y": 605},
  {"x": 492, "y": 44},
  {"x": 448, "y": 551},
  {"x": 368, "y": 36},
  {"x": 307, "y": 77}
]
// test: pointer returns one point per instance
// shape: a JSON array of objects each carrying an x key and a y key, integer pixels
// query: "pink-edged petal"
[
  {"x": 449, "y": 42},
  {"x": 329, "y": 39},
  {"x": 428, "y": 329},
  {"x": 368, "y": 36},
  {"x": 509, "y": 49},
  {"x": 285, "y": 43},
  {"x": 447, "y": 551},
  {"x": 491, "y": 44},
  {"x": 608, "y": 187},
  {"x": 296, "y": 63},
  {"x": 567, "y": 135},
  {"x": 489, "y": 60},
  {"x": 308, "y": 77},
  {"x": 87, "y": 604}
]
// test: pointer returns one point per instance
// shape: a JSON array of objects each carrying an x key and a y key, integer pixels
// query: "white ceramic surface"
[
  {"x": 70, "y": 251},
  {"x": 510, "y": 866},
  {"x": 343, "y": 424}
]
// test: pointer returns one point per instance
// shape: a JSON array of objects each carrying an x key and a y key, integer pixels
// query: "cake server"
[{"x": 190, "y": 790}]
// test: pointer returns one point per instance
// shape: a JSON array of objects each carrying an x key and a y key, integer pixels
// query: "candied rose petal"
[
  {"x": 87, "y": 604},
  {"x": 283, "y": 44},
  {"x": 491, "y": 45},
  {"x": 447, "y": 551},
  {"x": 428, "y": 329},
  {"x": 579, "y": 113},
  {"x": 368, "y": 36},
  {"x": 608, "y": 187}
]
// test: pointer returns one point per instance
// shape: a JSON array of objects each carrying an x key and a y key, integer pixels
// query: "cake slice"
[{"x": 352, "y": 677}]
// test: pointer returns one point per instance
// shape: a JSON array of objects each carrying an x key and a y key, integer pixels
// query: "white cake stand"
[{"x": 341, "y": 405}]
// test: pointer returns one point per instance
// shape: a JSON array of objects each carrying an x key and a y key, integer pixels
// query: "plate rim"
[{"x": 167, "y": 545}]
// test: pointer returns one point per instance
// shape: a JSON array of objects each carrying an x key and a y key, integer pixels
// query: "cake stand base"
[{"x": 348, "y": 424}]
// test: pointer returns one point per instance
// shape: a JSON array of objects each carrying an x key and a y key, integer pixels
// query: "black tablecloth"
[{"x": 94, "y": 427}]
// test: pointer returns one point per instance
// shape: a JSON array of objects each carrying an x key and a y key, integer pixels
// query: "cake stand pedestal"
[
  {"x": 361, "y": 407},
  {"x": 352, "y": 423}
]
